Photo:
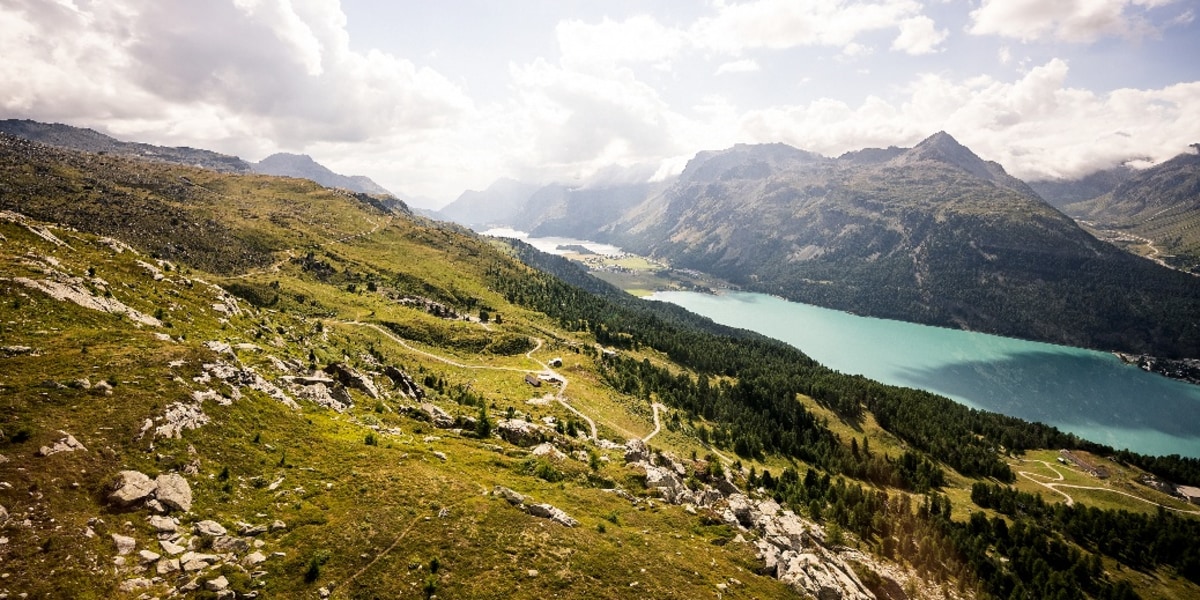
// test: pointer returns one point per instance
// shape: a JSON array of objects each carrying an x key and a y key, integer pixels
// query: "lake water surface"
[{"x": 1091, "y": 394}]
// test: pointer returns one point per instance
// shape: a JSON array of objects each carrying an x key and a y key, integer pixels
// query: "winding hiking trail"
[
  {"x": 559, "y": 396},
  {"x": 1053, "y": 485},
  {"x": 657, "y": 423}
]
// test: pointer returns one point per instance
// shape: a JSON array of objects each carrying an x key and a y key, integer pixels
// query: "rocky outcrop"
[
  {"x": 520, "y": 432},
  {"x": 322, "y": 395},
  {"x": 792, "y": 548},
  {"x": 405, "y": 384},
  {"x": 435, "y": 415},
  {"x": 353, "y": 379},
  {"x": 636, "y": 451},
  {"x": 544, "y": 511},
  {"x": 67, "y": 443}
]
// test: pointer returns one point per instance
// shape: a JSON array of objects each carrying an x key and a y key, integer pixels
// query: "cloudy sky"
[{"x": 431, "y": 98}]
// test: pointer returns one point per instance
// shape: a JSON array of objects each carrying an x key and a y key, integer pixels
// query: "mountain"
[
  {"x": 559, "y": 210},
  {"x": 1158, "y": 206},
  {"x": 221, "y": 385},
  {"x": 931, "y": 234},
  {"x": 88, "y": 140},
  {"x": 304, "y": 167},
  {"x": 1063, "y": 192},
  {"x": 497, "y": 205}
]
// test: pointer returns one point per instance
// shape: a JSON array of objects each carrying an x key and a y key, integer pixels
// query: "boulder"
[
  {"x": 636, "y": 451},
  {"x": 353, "y": 379},
  {"x": 174, "y": 492},
  {"x": 210, "y": 529},
  {"x": 404, "y": 383},
  {"x": 440, "y": 418},
  {"x": 230, "y": 544},
  {"x": 131, "y": 487},
  {"x": 166, "y": 566},
  {"x": 67, "y": 443},
  {"x": 511, "y": 496},
  {"x": 254, "y": 559},
  {"x": 132, "y": 585},
  {"x": 171, "y": 547},
  {"x": 217, "y": 584},
  {"x": 124, "y": 543},
  {"x": 519, "y": 432},
  {"x": 548, "y": 450},
  {"x": 278, "y": 525},
  {"x": 163, "y": 524},
  {"x": 555, "y": 514},
  {"x": 147, "y": 557}
]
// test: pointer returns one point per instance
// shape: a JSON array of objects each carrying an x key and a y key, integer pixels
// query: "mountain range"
[
  {"x": 930, "y": 234},
  {"x": 283, "y": 164}
]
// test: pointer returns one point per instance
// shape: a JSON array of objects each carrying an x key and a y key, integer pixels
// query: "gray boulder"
[
  {"x": 174, "y": 492},
  {"x": 440, "y": 418},
  {"x": 210, "y": 529},
  {"x": 636, "y": 451},
  {"x": 519, "y": 432},
  {"x": 131, "y": 487},
  {"x": 353, "y": 379}
]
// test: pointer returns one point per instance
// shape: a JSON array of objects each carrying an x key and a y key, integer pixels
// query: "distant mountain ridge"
[
  {"x": 303, "y": 166},
  {"x": 281, "y": 164},
  {"x": 89, "y": 140}
]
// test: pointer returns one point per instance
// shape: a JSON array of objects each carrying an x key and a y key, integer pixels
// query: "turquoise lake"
[{"x": 1092, "y": 394}]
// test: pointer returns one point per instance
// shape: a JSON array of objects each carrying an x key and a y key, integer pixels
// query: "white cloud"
[
  {"x": 744, "y": 65},
  {"x": 919, "y": 35},
  {"x": 637, "y": 39},
  {"x": 242, "y": 76},
  {"x": 779, "y": 24},
  {"x": 1036, "y": 126},
  {"x": 1065, "y": 20}
]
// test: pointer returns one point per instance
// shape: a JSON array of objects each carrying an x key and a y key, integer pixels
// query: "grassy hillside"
[{"x": 265, "y": 340}]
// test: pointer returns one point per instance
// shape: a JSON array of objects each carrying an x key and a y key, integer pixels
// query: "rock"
[
  {"x": 440, "y": 455},
  {"x": 210, "y": 529},
  {"x": 166, "y": 566},
  {"x": 171, "y": 547},
  {"x": 548, "y": 450},
  {"x": 532, "y": 572},
  {"x": 636, "y": 451},
  {"x": 278, "y": 525},
  {"x": 217, "y": 584},
  {"x": 323, "y": 592},
  {"x": 68, "y": 443},
  {"x": 320, "y": 394},
  {"x": 511, "y": 496},
  {"x": 254, "y": 559},
  {"x": 3, "y": 514},
  {"x": 174, "y": 492},
  {"x": 519, "y": 432},
  {"x": 163, "y": 524},
  {"x": 132, "y": 585},
  {"x": 555, "y": 514},
  {"x": 438, "y": 417},
  {"x": 404, "y": 383},
  {"x": 124, "y": 543},
  {"x": 147, "y": 556},
  {"x": 668, "y": 484},
  {"x": 353, "y": 379},
  {"x": 230, "y": 544},
  {"x": 247, "y": 529},
  {"x": 156, "y": 507}
]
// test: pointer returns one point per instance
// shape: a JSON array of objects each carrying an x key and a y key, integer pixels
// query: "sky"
[{"x": 433, "y": 98}]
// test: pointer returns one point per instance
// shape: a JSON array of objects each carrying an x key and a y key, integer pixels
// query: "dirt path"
[
  {"x": 657, "y": 423},
  {"x": 1054, "y": 485},
  {"x": 560, "y": 396}
]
